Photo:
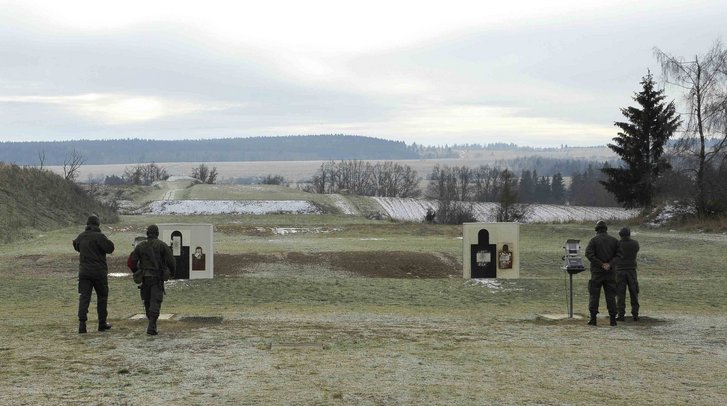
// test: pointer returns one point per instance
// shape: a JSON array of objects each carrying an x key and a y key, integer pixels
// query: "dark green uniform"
[
  {"x": 151, "y": 256},
  {"x": 626, "y": 277},
  {"x": 93, "y": 246},
  {"x": 602, "y": 249}
]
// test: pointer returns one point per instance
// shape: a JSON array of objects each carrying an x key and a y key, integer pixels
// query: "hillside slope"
[{"x": 36, "y": 199}]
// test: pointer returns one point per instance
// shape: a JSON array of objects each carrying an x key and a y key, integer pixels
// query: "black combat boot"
[
  {"x": 592, "y": 321},
  {"x": 152, "y": 329},
  {"x": 81, "y": 327},
  {"x": 103, "y": 326},
  {"x": 613, "y": 320},
  {"x": 620, "y": 317},
  {"x": 636, "y": 317}
]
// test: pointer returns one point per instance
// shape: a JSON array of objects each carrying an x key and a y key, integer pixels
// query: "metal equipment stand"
[
  {"x": 570, "y": 295},
  {"x": 573, "y": 264}
]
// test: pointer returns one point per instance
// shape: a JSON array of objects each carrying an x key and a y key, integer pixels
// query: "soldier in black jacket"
[
  {"x": 93, "y": 246},
  {"x": 603, "y": 251},
  {"x": 626, "y": 275},
  {"x": 152, "y": 256}
]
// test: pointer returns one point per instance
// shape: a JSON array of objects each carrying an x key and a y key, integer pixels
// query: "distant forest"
[{"x": 288, "y": 148}]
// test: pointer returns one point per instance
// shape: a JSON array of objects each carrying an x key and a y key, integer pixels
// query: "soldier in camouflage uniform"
[
  {"x": 152, "y": 256},
  {"x": 93, "y": 273},
  {"x": 626, "y": 275},
  {"x": 604, "y": 252}
]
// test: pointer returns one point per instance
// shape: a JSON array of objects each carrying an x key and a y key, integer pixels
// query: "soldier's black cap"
[
  {"x": 152, "y": 230},
  {"x": 624, "y": 232},
  {"x": 93, "y": 221},
  {"x": 601, "y": 226}
]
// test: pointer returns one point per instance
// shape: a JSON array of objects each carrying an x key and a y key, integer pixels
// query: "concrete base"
[
  {"x": 141, "y": 316},
  {"x": 556, "y": 317}
]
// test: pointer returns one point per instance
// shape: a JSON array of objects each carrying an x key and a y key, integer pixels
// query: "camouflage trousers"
[
  {"x": 607, "y": 281},
  {"x": 152, "y": 293},
  {"x": 627, "y": 279},
  {"x": 86, "y": 286}
]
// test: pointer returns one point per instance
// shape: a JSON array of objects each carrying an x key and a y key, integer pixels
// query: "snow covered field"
[
  {"x": 205, "y": 207},
  {"x": 406, "y": 209},
  {"x": 402, "y": 209}
]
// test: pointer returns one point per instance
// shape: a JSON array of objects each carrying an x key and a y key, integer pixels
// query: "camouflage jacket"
[
  {"x": 153, "y": 265},
  {"x": 603, "y": 249},
  {"x": 93, "y": 246},
  {"x": 630, "y": 248}
]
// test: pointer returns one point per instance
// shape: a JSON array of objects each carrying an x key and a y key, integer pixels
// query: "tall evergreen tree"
[
  {"x": 557, "y": 187},
  {"x": 640, "y": 144},
  {"x": 542, "y": 190},
  {"x": 527, "y": 187}
]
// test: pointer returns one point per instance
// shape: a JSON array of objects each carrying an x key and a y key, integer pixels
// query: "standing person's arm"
[
  {"x": 591, "y": 254},
  {"x": 106, "y": 245}
]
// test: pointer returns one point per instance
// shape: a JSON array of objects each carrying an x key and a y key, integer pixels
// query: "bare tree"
[
  {"x": 464, "y": 177},
  {"x": 145, "y": 174},
  {"x": 41, "y": 158},
  {"x": 212, "y": 176},
  {"x": 200, "y": 173},
  {"x": 485, "y": 181},
  {"x": 71, "y": 164},
  {"x": 509, "y": 210},
  {"x": 363, "y": 178},
  {"x": 704, "y": 82}
]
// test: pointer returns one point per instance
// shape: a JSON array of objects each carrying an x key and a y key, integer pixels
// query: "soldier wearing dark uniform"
[
  {"x": 626, "y": 275},
  {"x": 93, "y": 246},
  {"x": 152, "y": 256},
  {"x": 603, "y": 251}
]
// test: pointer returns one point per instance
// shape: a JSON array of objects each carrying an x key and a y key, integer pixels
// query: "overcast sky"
[{"x": 538, "y": 73}]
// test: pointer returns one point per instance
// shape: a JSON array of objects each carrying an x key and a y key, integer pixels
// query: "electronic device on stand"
[{"x": 573, "y": 264}]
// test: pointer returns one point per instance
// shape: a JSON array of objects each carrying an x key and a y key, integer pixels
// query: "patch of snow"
[
  {"x": 299, "y": 230},
  {"x": 175, "y": 178},
  {"x": 492, "y": 284},
  {"x": 550, "y": 213},
  {"x": 668, "y": 213},
  {"x": 207, "y": 207},
  {"x": 372, "y": 239},
  {"x": 408, "y": 209},
  {"x": 343, "y": 204},
  {"x": 119, "y": 274}
]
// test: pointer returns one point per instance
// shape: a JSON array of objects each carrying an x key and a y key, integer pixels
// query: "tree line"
[
  {"x": 147, "y": 174},
  {"x": 284, "y": 148},
  {"x": 366, "y": 179},
  {"x": 455, "y": 188}
]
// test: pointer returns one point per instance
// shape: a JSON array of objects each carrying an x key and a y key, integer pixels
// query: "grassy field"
[{"x": 350, "y": 311}]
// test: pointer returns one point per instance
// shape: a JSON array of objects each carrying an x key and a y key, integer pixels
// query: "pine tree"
[
  {"x": 640, "y": 144},
  {"x": 542, "y": 190},
  {"x": 557, "y": 188},
  {"x": 527, "y": 187}
]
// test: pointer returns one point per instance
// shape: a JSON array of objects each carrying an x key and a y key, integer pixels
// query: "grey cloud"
[
  {"x": 580, "y": 71},
  {"x": 166, "y": 62}
]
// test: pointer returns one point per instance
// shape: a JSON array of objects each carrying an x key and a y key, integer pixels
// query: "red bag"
[{"x": 130, "y": 263}]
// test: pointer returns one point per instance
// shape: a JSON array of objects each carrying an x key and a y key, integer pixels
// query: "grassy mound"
[{"x": 37, "y": 199}]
